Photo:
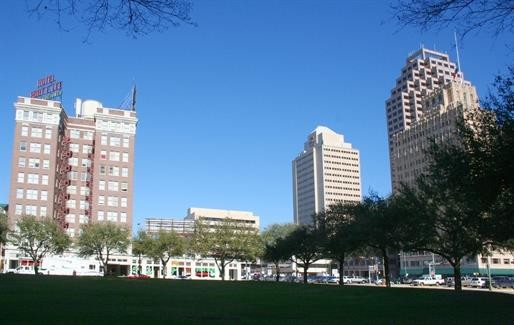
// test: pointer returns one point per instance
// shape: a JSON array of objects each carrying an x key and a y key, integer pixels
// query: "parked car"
[
  {"x": 477, "y": 282},
  {"x": 29, "y": 270},
  {"x": 332, "y": 279},
  {"x": 450, "y": 281},
  {"x": 357, "y": 279},
  {"x": 138, "y": 276},
  {"x": 406, "y": 280},
  {"x": 502, "y": 282},
  {"x": 347, "y": 279},
  {"x": 427, "y": 281},
  {"x": 466, "y": 281},
  {"x": 379, "y": 281}
]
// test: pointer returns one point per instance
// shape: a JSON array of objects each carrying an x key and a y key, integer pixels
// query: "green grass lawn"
[{"x": 51, "y": 299}]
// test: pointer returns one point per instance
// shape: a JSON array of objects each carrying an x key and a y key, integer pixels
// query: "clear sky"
[{"x": 226, "y": 106}]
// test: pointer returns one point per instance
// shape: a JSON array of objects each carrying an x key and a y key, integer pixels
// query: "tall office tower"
[
  {"x": 443, "y": 108},
  {"x": 75, "y": 170},
  {"x": 424, "y": 71},
  {"x": 325, "y": 173}
]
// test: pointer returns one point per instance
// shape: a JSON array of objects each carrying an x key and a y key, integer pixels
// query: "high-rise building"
[
  {"x": 75, "y": 170},
  {"x": 325, "y": 173},
  {"x": 424, "y": 72}
]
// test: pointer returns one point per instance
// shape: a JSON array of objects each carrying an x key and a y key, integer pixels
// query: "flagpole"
[{"x": 458, "y": 56}]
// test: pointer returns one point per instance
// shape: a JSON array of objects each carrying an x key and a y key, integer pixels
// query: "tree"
[
  {"x": 37, "y": 238},
  {"x": 136, "y": 17},
  {"x": 382, "y": 227},
  {"x": 164, "y": 245},
  {"x": 225, "y": 241},
  {"x": 101, "y": 240},
  {"x": 339, "y": 230},
  {"x": 305, "y": 244},
  {"x": 275, "y": 249},
  {"x": 140, "y": 247},
  {"x": 4, "y": 228},
  {"x": 466, "y": 15}
]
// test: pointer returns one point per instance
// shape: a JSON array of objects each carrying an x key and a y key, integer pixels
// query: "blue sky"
[{"x": 226, "y": 106}]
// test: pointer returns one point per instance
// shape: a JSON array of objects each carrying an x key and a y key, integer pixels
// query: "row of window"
[
  {"x": 36, "y": 132},
  {"x": 86, "y": 148},
  {"x": 113, "y": 201},
  {"x": 72, "y": 189},
  {"x": 31, "y": 194},
  {"x": 71, "y": 218},
  {"x": 32, "y": 178},
  {"x": 33, "y": 163},
  {"x": 115, "y": 141},
  {"x": 86, "y": 135},
  {"x": 113, "y": 171},
  {"x": 32, "y": 210},
  {"x": 112, "y": 186},
  {"x": 112, "y": 216},
  {"x": 114, "y": 156},
  {"x": 34, "y": 147},
  {"x": 72, "y": 204}
]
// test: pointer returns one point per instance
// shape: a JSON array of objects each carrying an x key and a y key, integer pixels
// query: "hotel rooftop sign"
[{"x": 48, "y": 88}]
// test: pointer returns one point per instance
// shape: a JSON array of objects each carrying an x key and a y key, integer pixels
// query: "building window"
[
  {"x": 84, "y": 177},
  {"x": 123, "y": 217},
  {"x": 125, "y": 142},
  {"x": 18, "y": 209},
  {"x": 44, "y": 195},
  {"x": 103, "y": 140},
  {"x": 21, "y": 162},
  {"x": 36, "y": 133},
  {"x": 32, "y": 194},
  {"x": 86, "y": 163},
  {"x": 73, "y": 175},
  {"x": 71, "y": 204},
  {"x": 113, "y": 186},
  {"x": 123, "y": 202},
  {"x": 23, "y": 146},
  {"x": 44, "y": 179},
  {"x": 87, "y": 149},
  {"x": 30, "y": 210},
  {"x": 72, "y": 189},
  {"x": 73, "y": 161},
  {"x": 103, "y": 154},
  {"x": 125, "y": 157},
  {"x": 87, "y": 135},
  {"x": 46, "y": 164},
  {"x": 48, "y": 133},
  {"x": 112, "y": 201},
  {"x": 112, "y": 216},
  {"x": 114, "y": 141},
  {"x": 33, "y": 178},
  {"x": 42, "y": 211},
  {"x": 25, "y": 130},
  {"x": 74, "y": 134},
  {"x": 102, "y": 169},
  {"x": 124, "y": 172},
  {"x": 70, "y": 232},
  {"x": 124, "y": 187},
  {"x": 101, "y": 185},
  {"x": 74, "y": 147},
  {"x": 47, "y": 148},
  {"x": 100, "y": 215},
  {"x": 84, "y": 190},
  {"x": 496, "y": 261},
  {"x": 70, "y": 218},
  {"x": 35, "y": 147},
  {"x": 19, "y": 193},
  {"x": 84, "y": 205},
  {"x": 114, "y": 156},
  {"x": 33, "y": 163},
  {"x": 101, "y": 200},
  {"x": 114, "y": 171},
  {"x": 83, "y": 219}
]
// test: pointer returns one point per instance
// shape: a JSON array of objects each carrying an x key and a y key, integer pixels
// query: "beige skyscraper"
[
  {"x": 73, "y": 169},
  {"x": 326, "y": 172},
  {"x": 424, "y": 72}
]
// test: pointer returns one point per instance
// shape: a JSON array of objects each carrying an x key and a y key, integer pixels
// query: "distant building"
[
  {"x": 325, "y": 173},
  {"x": 75, "y": 170},
  {"x": 3, "y": 208}
]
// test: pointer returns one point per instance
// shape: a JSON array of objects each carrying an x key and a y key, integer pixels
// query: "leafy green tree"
[
  {"x": 225, "y": 241},
  {"x": 304, "y": 243},
  {"x": 140, "y": 246},
  {"x": 165, "y": 245},
  {"x": 339, "y": 232},
  {"x": 275, "y": 248},
  {"x": 101, "y": 240},
  {"x": 37, "y": 238},
  {"x": 4, "y": 228}
]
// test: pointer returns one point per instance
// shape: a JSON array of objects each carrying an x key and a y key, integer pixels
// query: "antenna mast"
[{"x": 458, "y": 56}]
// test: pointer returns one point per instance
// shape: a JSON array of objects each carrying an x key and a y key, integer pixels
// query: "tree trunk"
[
  {"x": 341, "y": 269},
  {"x": 305, "y": 268},
  {"x": 386, "y": 268},
  {"x": 36, "y": 267},
  {"x": 222, "y": 270},
  {"x": 163, "y": 269},
  {"x": 106, "y": 267},
  {"x": 277, "y": 270},
  {"x": 456, "y": 276},
  {"x": 139, "y": 267}
]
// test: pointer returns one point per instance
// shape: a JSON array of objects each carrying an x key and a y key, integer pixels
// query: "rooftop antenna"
[
  {"x": 129, "y": 103},
  {"x": 458, "y": 56},
  {"x": 133, "y": 105}
]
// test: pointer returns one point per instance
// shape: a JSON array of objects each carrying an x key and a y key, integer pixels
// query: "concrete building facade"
[
  {"x": 325, "y": 173},
  {"x": 75, "y": 170}
]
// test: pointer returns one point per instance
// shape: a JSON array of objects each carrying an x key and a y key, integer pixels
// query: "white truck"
[
  {"x": 427, "y": 280},
  {"x": 62, "y": 265}
]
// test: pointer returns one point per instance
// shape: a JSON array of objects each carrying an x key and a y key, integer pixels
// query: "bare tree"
[
  {"x": 497, "y": 16},
  {"x": 136, "y": 17}
]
